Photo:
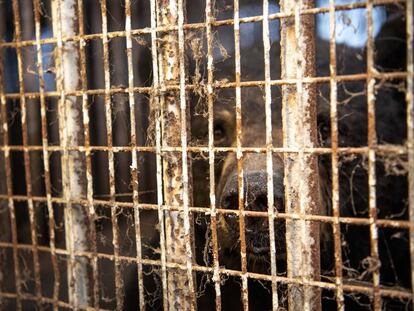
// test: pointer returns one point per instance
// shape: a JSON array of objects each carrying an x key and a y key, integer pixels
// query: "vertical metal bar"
[
  {"x": 108, "y": 114},
  {"x": 119, "y": 76},
  {"x": 301, "y": 170},
  {"x": 65, "y": 19},
  {"x": 28, "y": 177},
  {"x": 5, "y": 228},
  {"x": 410, "y": 127},
  {"x": 186, "y": 183},
  {"x": 334, "y": 158},
  {"x": 239, "y": 156},
  {"x": 45, "y": 145},
  {"x": 210, "y": 101},
  {"x": 308, "y": 192},
  {"x": 372, "y": 143},
  {"x": 181, "y": 289},
  {"x": 33, "y": 118},
  {"x": 156, "y": 107},
  {"x": 269, "y": 155},
  {"x": 89, "y": 179},
  {"x": 134, "y": 164},
  {"x": 9, "y": 186}
]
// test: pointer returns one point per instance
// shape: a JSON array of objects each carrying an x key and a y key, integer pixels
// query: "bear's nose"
[{"x": 255, "y": 192}]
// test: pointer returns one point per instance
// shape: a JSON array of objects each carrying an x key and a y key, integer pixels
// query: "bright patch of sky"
[{"x": 351, "y": 25}]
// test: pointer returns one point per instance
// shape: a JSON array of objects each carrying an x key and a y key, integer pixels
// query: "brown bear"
[{"x": 352, "y": 131}]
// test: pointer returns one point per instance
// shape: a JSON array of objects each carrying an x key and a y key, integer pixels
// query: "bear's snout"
[{"x": 255, "y": 198}]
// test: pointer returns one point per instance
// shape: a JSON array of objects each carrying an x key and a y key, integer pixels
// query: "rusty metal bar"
[
  {"x": 239, "y": 156},
  {"x": 221, "y": 85},
  {"x": 269, "y": 154},
  {"x": 5, "y": 227},
  {"x": 9, "y": 186},
  {"x": 32, "y": 113},
  {"x": 250, "y": 19},
  {"x": 134, "y": 162},
  {"x": 336, "y": 226},
  {"x": 45, "y": 144},
  {"x": 372, "y": 142},
  {"x": 403, "y": 224},
  {"x": 26, "y": 155},
  {"x": 156, "y": 110},
  {"x": 88, "y": 157},
  {"x": 301, "y": 170},
  {"x": 176, "y": 184},
  {"x": 112, "y": 191},
  {"x": 410, "y": 128},
  {"x": 65, "y": 19},
  {"x": 27, "y": 297},
  {"x": 385, "y": 150},
  {"x": 211, "y": 155},
  {"x": 185, "y": 131}
]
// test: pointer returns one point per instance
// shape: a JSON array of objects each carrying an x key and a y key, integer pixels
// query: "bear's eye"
[
  {"x": 219, "y": 133},
  {"x": 324, "y": 131}
]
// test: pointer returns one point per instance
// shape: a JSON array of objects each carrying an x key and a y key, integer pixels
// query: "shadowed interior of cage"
[{"x": 206, "y": 155}]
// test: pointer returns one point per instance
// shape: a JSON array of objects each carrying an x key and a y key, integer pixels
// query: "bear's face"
[
  {"x": 255, "y": 173},
  {"x": 352, "y": 132}
]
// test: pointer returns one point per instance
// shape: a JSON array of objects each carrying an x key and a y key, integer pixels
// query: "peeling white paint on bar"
[
  {"x": 269, "y": 155},
  {"x": 134, "y": 158},
  {"x": 156, "y": 104},
  {"x": 171, "y": 130},
  {"x": 210, "y": 102},
  {"x": 64, "y": 14},
  {"x": 301, "y": 170}
]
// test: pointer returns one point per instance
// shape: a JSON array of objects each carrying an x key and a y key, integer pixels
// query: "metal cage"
[{"x": 98, "y": 189}]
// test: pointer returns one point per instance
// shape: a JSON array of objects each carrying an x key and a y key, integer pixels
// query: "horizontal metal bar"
[
  {"x": 216, "y": 85},
  {"x": 380, "y": 149},
  {"x": 217, "y": 23},
  {"x": 403, "y": 224}
]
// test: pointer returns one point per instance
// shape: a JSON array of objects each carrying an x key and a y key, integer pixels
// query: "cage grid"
[{"x": 174, "y": 208}]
